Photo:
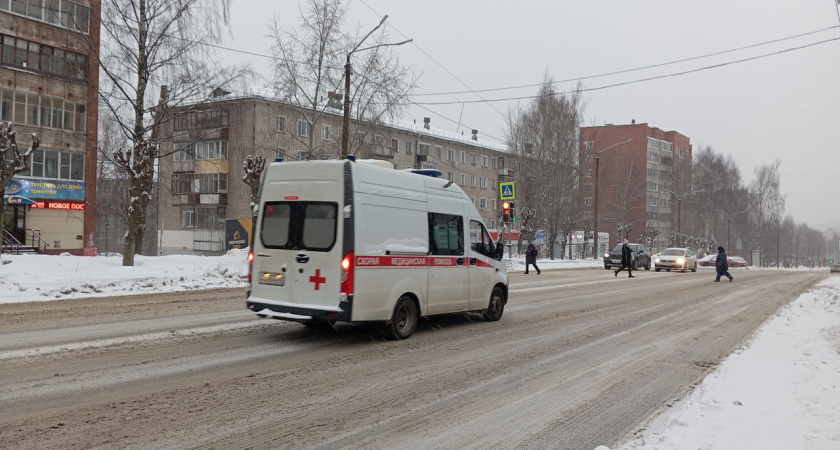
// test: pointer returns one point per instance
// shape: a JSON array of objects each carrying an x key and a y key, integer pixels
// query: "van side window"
[
  {"x": 299, "y": 225},
  {"x": 446, "y": 234},
  {"x": 480, "y": 241}
]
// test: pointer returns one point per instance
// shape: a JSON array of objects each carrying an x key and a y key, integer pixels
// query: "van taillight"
[
  {"x": 347, "y": 274},
  {"x": 250, "y": 264}
]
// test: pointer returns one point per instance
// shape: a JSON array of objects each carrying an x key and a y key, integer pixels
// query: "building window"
[
  {"x": 463, "y": 159},
  {"x": 280, "y": 124},
  {"x": 408, "y": 147},
  {"x": 302, "y": 155},
  {"x": 395, "y": 145},
  {"x": 304, "y": 128},
  {"x": 35, "y": 56},
  {"x": 462, "y": 179},
  {"x": 482, "y": 203},
  {"x": 450, "y": 155},
  {"x": 588, "y": 173},
  {"x": 57, "y": 165},
  {"x": 210, "y": 217},
  {"x": 588, "y": 145},
  {"x": 483, "y": 183},
  {"x": 472, "y": 158},
  {"x": 40, "y": 110},
  {"x": 187, "y": 219},
  {"x": 62, "y": 13},
  {"x": 422, "y": 149},
  {"x": 450, "y": 176},
  {"x": 587, "y": 201},
  {"x": 326, "y": 132},
  {"x": 590, "y": 159},
  {"x": 212, "y": 183},
  {"x": 494, "y": 207},
  {"x": 201, "y": 119},
  {"x": 472, "y": 180},
  {"x": 484, "y": 161},
  {"x": 495, "y": 163}
]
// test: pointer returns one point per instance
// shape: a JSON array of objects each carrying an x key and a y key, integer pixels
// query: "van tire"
[
  {"x": 496, "y": 306},
  {"x": 404, "y": 319}
]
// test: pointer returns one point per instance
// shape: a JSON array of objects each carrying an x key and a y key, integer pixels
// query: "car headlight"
[
  {"x": 680, "y": 261},
  {"x": 606, "y": 255},
  {"x": 657, "y": 259}
]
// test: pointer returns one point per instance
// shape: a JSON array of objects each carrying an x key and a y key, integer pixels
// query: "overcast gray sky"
[{"x": 780, "y": 100}]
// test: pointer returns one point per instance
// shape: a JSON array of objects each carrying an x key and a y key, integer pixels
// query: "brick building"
[
  {"x": 203, "y": 148},
  {"x": 49, "y": 77},
  {"x": 641, "y": 176}
]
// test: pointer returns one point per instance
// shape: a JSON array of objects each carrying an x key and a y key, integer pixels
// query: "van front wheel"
[
  {"x": 496, "y": 306},
  {"x": 404, "y": 319}
]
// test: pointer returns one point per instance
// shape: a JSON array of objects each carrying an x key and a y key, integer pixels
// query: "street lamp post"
[
  {"x": 595, "y": 251},
  {"x": 348, "y": 69}
]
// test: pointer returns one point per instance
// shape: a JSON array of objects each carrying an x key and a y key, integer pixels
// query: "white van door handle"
[{"x": 302, "y": 258}]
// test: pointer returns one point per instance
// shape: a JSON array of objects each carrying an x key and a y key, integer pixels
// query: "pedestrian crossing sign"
[{"x": 507, "y": 191}]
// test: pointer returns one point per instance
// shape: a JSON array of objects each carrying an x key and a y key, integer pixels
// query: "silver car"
[{"x": 683, "y": 259}]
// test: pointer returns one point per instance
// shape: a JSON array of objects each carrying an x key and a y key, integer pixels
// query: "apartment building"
[
  {"x": 203, "y": 148},
  {"x": 49, "y": 77},
  {"x": 641, "y": 173}
]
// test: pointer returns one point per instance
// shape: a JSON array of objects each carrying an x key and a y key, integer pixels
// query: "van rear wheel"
[
  {"x": 496, "y": 306},
  {"x": 404, "y": 319}
]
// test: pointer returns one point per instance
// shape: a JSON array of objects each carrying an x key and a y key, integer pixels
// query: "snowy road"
[{"x": 580, "y": 359}]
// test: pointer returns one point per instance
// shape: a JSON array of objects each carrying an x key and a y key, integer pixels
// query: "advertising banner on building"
[
  {"x": 36, "y": 188},
  {"x": 238, "y": 233}
]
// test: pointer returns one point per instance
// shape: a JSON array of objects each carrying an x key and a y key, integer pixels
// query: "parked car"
[
  {"x": 641, "y": 257},
  {"x": 707, "y": 261},
  {"x": 737, "y": 261},
  {"x": 835, "y": 268},
  {"x": 683, "y": 259},
  {"x": 711, "y": 261}
]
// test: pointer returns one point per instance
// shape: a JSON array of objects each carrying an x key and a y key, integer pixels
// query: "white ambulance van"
[{"x": 341, "y": 240}]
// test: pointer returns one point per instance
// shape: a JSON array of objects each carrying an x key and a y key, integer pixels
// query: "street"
[{"x": 580, "y": 358}]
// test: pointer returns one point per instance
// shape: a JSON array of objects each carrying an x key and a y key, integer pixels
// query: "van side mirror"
[{"x": 499, "y": 250}]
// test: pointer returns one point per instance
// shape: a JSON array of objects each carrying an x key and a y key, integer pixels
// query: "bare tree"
[
  {"x": 722, "y": 200},
  {"x": 12, "y": 162},
  {"x": 156, "y": 44},
  {"x": 544, "y": 136},
  {"x": 253, "y": 167},
  {"x": 767, "y": 204},
  {"x": 309, "y": 73}
]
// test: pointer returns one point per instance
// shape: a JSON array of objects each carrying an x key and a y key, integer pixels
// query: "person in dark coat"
[
  {"x": 531, "y": 258},
  {"x": 722, "y": 265},
  {"x": 626, "y": 259}
]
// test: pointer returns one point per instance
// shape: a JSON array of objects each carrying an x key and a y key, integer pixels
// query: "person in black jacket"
[
  {"x": 626, "y": 259},
  {"x": 722, "y": 265},
  {"x": 531, "y": 258}
]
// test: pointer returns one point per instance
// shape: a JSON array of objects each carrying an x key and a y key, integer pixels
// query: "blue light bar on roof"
[{"x": 428, "y": 172}]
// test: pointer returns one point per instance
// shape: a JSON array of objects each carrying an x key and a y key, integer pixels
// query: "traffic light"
[
  {"x": 512, "y": 212},
  {"x": 506, "y": 211}
]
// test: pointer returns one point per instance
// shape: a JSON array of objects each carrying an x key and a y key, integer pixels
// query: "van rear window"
[{"x": 299, "y": 225}]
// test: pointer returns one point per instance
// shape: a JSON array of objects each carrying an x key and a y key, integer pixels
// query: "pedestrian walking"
[
  {"x": 626, "y": 259},
  {"x": 722, "y": 265},
  {"x": 531, "y": 258}
]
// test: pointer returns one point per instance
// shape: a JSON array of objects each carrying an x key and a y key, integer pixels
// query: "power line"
[
  {"x": 436, "y": 62},
  {"x": 625, "y": 83},
  {"x": 638, "y": 68}
]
